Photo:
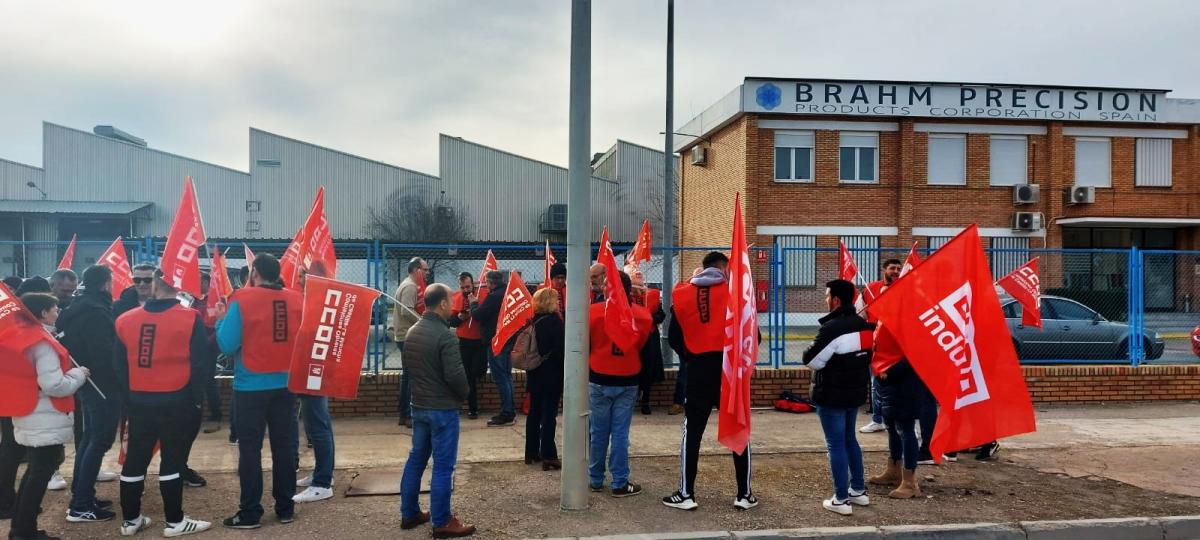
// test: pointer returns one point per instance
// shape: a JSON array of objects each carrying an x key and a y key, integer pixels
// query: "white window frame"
[
  {"x": 1081, "y": 174},
  {"x": 792, "y": 149},
  {"x": 1149, "y": 174},
  {"x": 931, "y": 178},
  {"x": 1024, "y": 168},
  {"x": 858, "y": 157}
]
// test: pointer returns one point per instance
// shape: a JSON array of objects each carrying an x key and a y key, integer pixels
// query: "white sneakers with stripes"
[
  {"x": 680, "y": 501},
  {"x": 187, "y": 526},
  {"x": 132, "y": 527}
]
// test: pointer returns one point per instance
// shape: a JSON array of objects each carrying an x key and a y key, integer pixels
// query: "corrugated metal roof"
[{"x": 72, "y": 207}]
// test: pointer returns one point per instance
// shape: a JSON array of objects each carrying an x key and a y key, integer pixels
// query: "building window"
[
  {"x": 1153, "y": 162},
  {"x": 1009, "y": 160},
  {"x": 793, "y": 156},
  {"x": 799, "y": 260},
  {"x": 858, "y": 157},
  {"x": 865, "y": 250},
  {"x": 947, "y": 159},
  {"x": 936, "y": 242},
  {"x": 1093, "y": 162},
  {"x": 1008, "y": 254}
]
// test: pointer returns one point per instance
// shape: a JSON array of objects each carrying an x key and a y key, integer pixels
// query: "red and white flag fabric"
[
  {"x": 68, "y": 257},
  {"x": 516, "y": 309},
  {"x": 219, "y": 288},
  {"x": 847, "y": 268},
  {"x": 289, "y": 264},
  {"x": 741, "y": 343},
  {"x": 946, "y": 317},
  {"x": 420, "y": 302},
  {"x": 1023, "y": 284},
  {"x": 116, "y": 260},
  {"x": 641, "y": 249},
  {"x": 618, "y": 313},
  {"x": 316, "y": 244},
  {"x": 489, "y": 265},
  {"x": 911, "y": 261},
  {"x": 328, "y": 355},
  {"x": 249, "y": 255},
  {"x": 181, "y": 256},
  {"x": 550, "y": 261}
]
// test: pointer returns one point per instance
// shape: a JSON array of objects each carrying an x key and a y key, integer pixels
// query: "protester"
[
  {"x": 143, "y": 279},
  {"x": 259, "y": 328},
  {"x": 48, "y": 425},
  {"x": 891, "y": 272},
  {"x": 208, "y": 313},
  {"x": 165, "y": 385},
  {"x": 404, "y": 316},
  {"x": 596, "y": 279},
  {"x": 545, "y": 382},
  {"x": 470, "y": 342},
  {"x": 87, "y": 332},
  {"x": 558, "y": 282},
  {"x": 652, "y": 371},
  {"x": 318, "y": 429},
  {"x": 63, "y": 283},
  {"x": 36, "y": 284},
  {"x": 697, "y": 335},
  {"x": 612, "y": 384},
  {"x": 439, "y": 386},
  {"x": 11, "y": 455},
  {"x": 13, "y": 282},
  {"x": 487, "y": 314},
  {"x": 900, "y": 395}
]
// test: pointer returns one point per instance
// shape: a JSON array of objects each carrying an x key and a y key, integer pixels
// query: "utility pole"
[
  {"x": 668, "y": 273},
  {"x": 574, "y": 491}
]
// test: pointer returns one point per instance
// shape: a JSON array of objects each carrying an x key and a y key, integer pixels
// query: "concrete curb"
[{"x": 1168, "y": 528}]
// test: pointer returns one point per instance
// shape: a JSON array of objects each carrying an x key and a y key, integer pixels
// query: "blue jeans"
[
  {"x": 501, "y": 368},
  {"x": 261, "y": 413},
  {"x": 435, "y": 433},
  {"x": 612, "y": 412},
  {"x": 876, "y": 406},
  {"x": 404, "y": 394},
  {"x": 902, "y": 441},
  {"x": 100, "y": 419},
  {"x": 845, "y": 456},
  {"x": 314, "y": 412}
]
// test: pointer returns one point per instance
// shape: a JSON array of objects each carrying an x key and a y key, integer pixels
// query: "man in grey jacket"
[
  {"x": 406, "y": 313},
  {"x": 439, "y": 386}
]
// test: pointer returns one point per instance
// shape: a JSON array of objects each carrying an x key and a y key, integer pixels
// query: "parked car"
[{"x": 1073, "y": 331}]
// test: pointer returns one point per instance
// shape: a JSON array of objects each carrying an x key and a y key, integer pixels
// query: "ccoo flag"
[
  {"x": 741, "y": 343},
  {"x": 115, "y": 259},
  {"x": 1023, "y": 284},
  {"x": 181, "y": 256},
  {"x": 946, "y": 316},
  {"x": 641, "y": 249},
  {"x": 618, "y": 312},
  {"x": 516, "y": 309},
  {"x": 316, "y": 245},
  {"x": 68, "y": 257},
  {"x": 328, "y": 355}
]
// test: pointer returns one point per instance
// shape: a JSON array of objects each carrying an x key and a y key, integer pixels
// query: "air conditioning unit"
[
  {"x": 1081, "y": 195},
  {"x": 1026, "y": 194},
  {"x": 699, "y": 155},
  {"x": 555, "y": 219},
  {"x": 1027, "y": 221}
]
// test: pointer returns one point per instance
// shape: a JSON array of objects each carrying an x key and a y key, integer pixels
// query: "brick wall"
[{"x": 1053, "y": 384}]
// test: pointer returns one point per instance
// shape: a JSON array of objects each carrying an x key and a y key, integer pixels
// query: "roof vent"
[{"x": 114, "y": 133}]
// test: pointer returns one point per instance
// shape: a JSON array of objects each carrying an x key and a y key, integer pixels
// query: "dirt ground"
[{"x": 511, "y": 500}]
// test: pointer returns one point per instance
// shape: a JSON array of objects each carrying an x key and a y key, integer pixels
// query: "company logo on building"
[
  {"x": 768, "y": 96},
  {"x": 957, "y": 339}
]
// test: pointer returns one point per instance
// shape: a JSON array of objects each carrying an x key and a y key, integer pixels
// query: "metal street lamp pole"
[{"x": 668, "y": 279}]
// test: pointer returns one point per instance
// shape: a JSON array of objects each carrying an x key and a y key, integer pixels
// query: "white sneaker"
[
  {"x": 130, "y": 528},
  {"x": 56, "y": 483},
  {"x": 950, "y": 458},
  {"x": 313, "y": 494},
  {"x": 678, "y": 500},
  {"x": 860, "y": 498},
  {"x": 304, "y": 482},
  {"x": 187, "y": 526},
  {"x": 839, "y": 507},
  {"x": 873, "y": 427},
  {"x": 107, "y": 476},
  {"x": 745, "y": 503}
]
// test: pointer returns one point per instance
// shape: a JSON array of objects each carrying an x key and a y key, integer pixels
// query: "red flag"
[
  {"x": 316, "y": 243},
  {"x": 515, "y": 310},
  {"x": 289, "y": 264},
  {"x": 641, "y": 249},
  {"x": 249, "y": 254},
  {"x": 420, "y": 305},
  {"x": 550, "y": 261},
  {"x": 847, "y": 268},
  {"x": 489, "y": 265},
  {"x": 328, "y": 355},
  {"x": 220, "y": 288},
  {"x": 912, "y": 261},
  {"x": 181, "y": 257},
  {"x": 125, "y": 443},
  {"x": 115, "y": 259},
  {"x": 68, "y": 257},
  {"x": 741, "y": 343},
  {"x": 1024, "y": 285},
  {"x": 946, "y": 317},
  {"x": 618, "y": 313}
]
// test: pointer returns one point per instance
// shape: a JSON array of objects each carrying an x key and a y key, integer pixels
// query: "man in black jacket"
[
  {"x": 88, "y": 334},
  {"x": 487, "y": 314},
  {"x": 138, "y": 294},
  {"x": 840, "y": 358}
]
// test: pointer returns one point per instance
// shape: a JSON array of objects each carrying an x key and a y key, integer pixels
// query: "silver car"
[{"x": 1071, "y": 332}]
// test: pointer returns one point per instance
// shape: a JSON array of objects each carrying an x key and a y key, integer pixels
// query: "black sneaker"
[
  {"x": 988, "y": 451},
  {"x": 193, "y": 479},
  {"x": 596, "y": 489},
  {"x": 678, "y": 500},
  {"x": 630, "y": 489},
  {"x": 646, "y": 410},
  {"x": 502, "y": 421},
  {"x": 473, "y": 415},
  {"x": 91, "y": 515},
  {"x": 104, "y": 503},
  {"x": 287, "y": 519},
  {"x": 237, "y": 522},
  {"x": 745, "y": 503},
  {"x": 924, "y": 457},
  {"x": 40, "y": 535}
]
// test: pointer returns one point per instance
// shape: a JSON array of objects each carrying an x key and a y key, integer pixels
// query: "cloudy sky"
[{"x": 382, "y": 79}]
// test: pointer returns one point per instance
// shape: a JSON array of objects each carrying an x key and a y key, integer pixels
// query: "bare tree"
[{"x": 413, "y": 215}]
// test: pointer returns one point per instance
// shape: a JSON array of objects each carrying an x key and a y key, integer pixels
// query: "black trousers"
[
  {"x": 545, "y": 393},
  {"x": 475, "y": 363},
  {"x": 10, "y": 459},
  {"x": 43, "y": 461},
  {"x": 703, "y": 393},
  {"x": 173, "y": 427},
  {"x": 260, "y": 413}
]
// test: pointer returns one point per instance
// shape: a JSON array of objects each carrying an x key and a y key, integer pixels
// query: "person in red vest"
[
  {"x": 259, "y": 328},
  {"x": 652, "y": 360},
  {"x": 891, "y": 272},
  {"x": 39, "y": 382},
  {"x": 470, "y": 339},
  {"x": 162, "y": 361},
  {"x": 697, "y": 334},
  {"x": 212, "y": 395},
  {"x": 613, "y": 381}
]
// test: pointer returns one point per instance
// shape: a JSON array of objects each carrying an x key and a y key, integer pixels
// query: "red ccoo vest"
[
  {"x": 651, "y": 300},
  {"x": 18, "y": 376},
  {"x": 701, "y": 314},
  {"x": 604, "y": 356},
  {"x": 158, "y": 348},
  {"x": 270, "y": 321}
]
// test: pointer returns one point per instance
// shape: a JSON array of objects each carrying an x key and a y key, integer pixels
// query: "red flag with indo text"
[
  {"x": 946, "y": 317},
  {"x": 328, "y": 355},
  {"x": 618, "y": 313},
  {"x": 115, "y": 259},
  {"x": 181, "y": 256},
  {"x": 68, "y": 257},
  {"x": 1024, "y": 285},
  {"x": 516, "y": 309},
  {"x": 741, "y": 343}
]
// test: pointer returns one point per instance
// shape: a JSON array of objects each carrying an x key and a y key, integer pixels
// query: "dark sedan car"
[{"x": 1072, "y": 331}]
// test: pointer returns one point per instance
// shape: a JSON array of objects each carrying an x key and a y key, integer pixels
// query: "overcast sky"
[{"x": 382, "y": 79}]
